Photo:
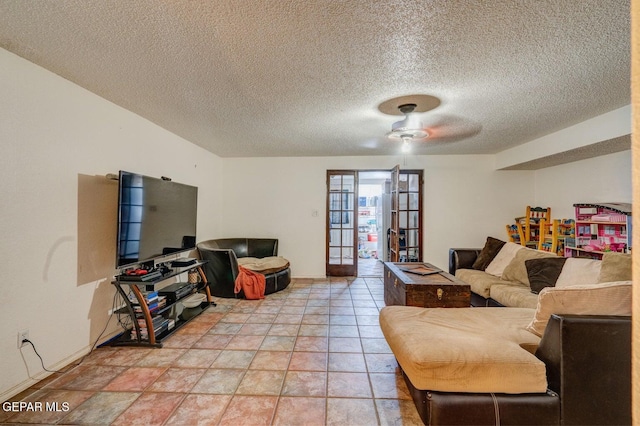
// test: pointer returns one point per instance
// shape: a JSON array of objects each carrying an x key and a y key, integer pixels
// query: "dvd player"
[
  {"x": 185, "y": 261},
  {"x": 177, "y": 291},
  {"x": 145, "y": 277}
]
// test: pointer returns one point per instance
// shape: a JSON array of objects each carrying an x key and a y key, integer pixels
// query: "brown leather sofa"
[
  {"x": 221, "y": 268},
  {"x": 588, "y": 368},
  {"x": 463, "y": 258}
]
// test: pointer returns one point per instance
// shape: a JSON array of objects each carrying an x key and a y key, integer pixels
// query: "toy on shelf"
[
  {"x": 530, "y": 225},
  {"x": 600, "y": 228},
  {"x": 554, "y": 234},
  {"x": 515, "y": 233}
]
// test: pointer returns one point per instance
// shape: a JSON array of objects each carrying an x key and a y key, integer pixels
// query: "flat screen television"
[{"x": 156, "y": 218}]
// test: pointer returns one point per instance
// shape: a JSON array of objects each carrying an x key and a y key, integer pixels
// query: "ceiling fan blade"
[{"x": 451, "y": 128}]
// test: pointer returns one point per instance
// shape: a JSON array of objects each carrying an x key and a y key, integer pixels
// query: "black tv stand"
[{"x": 151, "y": 324}]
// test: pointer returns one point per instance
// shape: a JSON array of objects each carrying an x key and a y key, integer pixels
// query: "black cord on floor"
[
  {"x": 113, "y": 303},
  {"x": 93, "y": 347},
  {"x": 41, "y": 361}
]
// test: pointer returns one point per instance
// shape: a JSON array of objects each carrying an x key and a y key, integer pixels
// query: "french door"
[
  {"x": 342, "y": 192},
  {"x": 404, "y": 227},
  {"x": 408, "y": 210}
]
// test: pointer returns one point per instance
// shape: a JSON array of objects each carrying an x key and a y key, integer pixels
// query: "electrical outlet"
[{"x": 22, "y": 335}]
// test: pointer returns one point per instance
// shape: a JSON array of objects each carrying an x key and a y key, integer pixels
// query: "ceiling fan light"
[
  {"x": 411, "y": 125},
  {"x": 413, "y": 133},
  {"x": 406, "y": 145}
]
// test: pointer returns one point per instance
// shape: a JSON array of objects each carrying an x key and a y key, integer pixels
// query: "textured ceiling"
[{"x": 257, "y": 78}]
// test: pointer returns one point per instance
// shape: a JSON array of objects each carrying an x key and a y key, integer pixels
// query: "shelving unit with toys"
[
  {"x": 526, "y": 230},
  {"x": 515, "y": 233},
  {"x": 554, "y": 233},
  {"x": 600, "y": 228},
  {"x": 531, "y": 224}
]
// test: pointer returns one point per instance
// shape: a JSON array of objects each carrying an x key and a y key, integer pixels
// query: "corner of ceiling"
[{"x": 605, "y": 134}]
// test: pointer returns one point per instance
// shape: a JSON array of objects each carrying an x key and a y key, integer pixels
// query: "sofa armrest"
[
  {"x": 462, "y": 258},
  {"x": 221, "y": 270},
  {"x": 588, "y": 361}
]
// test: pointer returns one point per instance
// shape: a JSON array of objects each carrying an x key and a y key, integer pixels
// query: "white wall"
[
  {"x": 58, "y": 211},
  {"x": 596, "y": 180},
  {"x": 465, "y": 200}
]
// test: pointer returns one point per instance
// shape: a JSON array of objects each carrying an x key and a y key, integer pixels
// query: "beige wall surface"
[
  {"x": 465, "y": 198},
  {"x": 59, "y": 211},
  {"x": 276, "y": 197},
  {"x": 596, "y": 180}
]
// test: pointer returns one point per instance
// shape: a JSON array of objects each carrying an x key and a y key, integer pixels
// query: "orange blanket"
[{"x": 251, "y": 283}]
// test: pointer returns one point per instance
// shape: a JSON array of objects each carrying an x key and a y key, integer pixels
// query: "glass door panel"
[
  {"x": 341, "y": 228},
  {"x": 403, "y": 220},
  {"x": 412, "y": 238},
  {"x": 334, "y": 255},
  {"x": 415, "y": 179},
  {"x": 414, "y": 201},
  {"x": 410, "y": 215},
  {"x": 334, "y": 238},
  {"x": 395, "y": 245},
  {"x": 413, "y": 219}
]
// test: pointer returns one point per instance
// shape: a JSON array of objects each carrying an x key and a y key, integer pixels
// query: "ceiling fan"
[
  {"x": 417, "y": 126},
  {"x": 409, "y": 129}
]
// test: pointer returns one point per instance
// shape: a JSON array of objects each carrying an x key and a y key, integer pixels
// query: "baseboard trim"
[{"x": 32, "y": 380}]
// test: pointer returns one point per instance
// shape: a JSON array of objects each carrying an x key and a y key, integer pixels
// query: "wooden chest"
[{"x": 440, "y": 290}]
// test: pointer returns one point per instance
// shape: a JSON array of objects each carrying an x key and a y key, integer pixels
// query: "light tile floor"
[
  {"x": 369, "y": 268},
  {"x": 312, "y": 354}
]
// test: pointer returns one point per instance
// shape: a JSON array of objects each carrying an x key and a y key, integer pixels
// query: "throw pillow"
[
  {"x": 615, "y": 267},
  {"x": 516, "y": 270},
  {"x": 600, "y": 299},
  {"x": 488, "y": 252},
  {"x": 544, "y": 272},
  {"x": 502, "y": 259},
  {"x": 579, "y": 271}
]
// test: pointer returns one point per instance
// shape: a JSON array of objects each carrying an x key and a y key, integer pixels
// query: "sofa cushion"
[
  {"x": 517, "y": 296},
  {"x": 479, "y": 282},
  {"x": 544, "y": 272},
  {"x": 265, "y": 265},
  {"x": 503, "y": 258},
  {"x": 615, "y": 267},
  {"x": 579, "y": 271},
  {"x": 465, "y": 349},
  {"x": 600, "y": 299},
  {"x": 516, "y": 270},
  {"x": 491, "y": 248}
]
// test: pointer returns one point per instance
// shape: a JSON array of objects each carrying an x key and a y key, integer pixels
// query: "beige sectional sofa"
[
  {"x": 470, "y": 366},
  {"x": 554, "y": 348},
  {"x": 508, "y": 274}
]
